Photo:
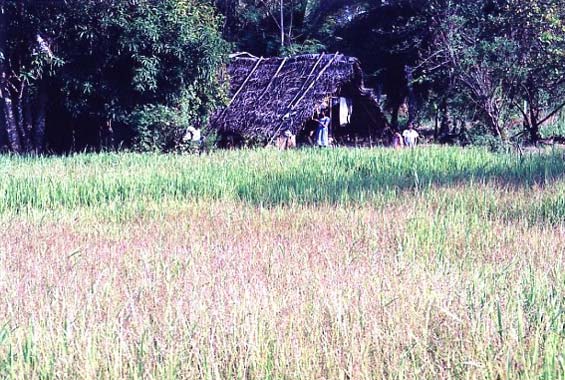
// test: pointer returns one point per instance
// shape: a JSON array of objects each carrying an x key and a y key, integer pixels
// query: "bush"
[
  {"x": 481, "y": 136},
  {"x": 153, "y": 67}
]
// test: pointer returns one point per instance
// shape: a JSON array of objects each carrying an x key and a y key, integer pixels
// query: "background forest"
[{"x": 89, "y": 75}]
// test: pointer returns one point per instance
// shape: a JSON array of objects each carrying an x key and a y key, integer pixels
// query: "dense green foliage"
[
  {"x": 274, "y": 27},
  {"x": 507, "y": 59},
  {"x": 111, "y": 70},
  {"x": 154, "y": 67},
  {"x": 77, "y": 75},
  {"x": 496, "y": 65}
]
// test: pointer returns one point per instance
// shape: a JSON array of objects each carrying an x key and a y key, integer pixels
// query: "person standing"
[
  {"x": 193, "y": 139},
  {"x": 397, "y": 141},
  {"x": 410, "y": 136},
  {"x": 322, "y": 132}
]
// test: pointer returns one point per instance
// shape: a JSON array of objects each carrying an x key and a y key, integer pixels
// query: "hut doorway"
[
  {"x": 340, "y": 114},
  {"x": 352, "y": 123}
]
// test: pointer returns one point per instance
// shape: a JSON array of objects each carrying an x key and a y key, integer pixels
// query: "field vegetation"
[{"x": 336, "y": 264}]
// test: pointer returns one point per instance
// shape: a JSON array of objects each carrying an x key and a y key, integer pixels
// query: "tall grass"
[
  {"x": 339, "y": 264},
  {"x": 261, "y": 177}
]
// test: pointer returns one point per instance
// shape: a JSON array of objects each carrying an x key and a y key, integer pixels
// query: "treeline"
[
  {"x": 490, "y": 67},
  {"x": 92, "y": 74},
  {"x": 88, "y": 74}
]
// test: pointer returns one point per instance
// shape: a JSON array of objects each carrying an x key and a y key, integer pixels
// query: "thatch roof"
[{"x": 269, "y": 95}]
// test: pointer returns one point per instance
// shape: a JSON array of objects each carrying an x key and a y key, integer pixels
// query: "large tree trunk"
[
  {"x": 445, "y": 119},
  {"x": 394, "y": 117},
  {"x": 3, "y": 138},
  {"x": 494, "y": 118},
  {"x": 535, "y": 135},
  {"x": 534, "y": 118},
  {"x": 28, "y": 122},
  {"x": 9, "y": 117},
  {"x": 24, "y": 119},
  {"x": 39, "y": 124},
  {"x": 10, "y": 123},
  {"x": 436, "y": 122},
  {"x": 19, "y": 108},
  {"x": 534, "y": 125},
  {"x": 412, "y": 102}
]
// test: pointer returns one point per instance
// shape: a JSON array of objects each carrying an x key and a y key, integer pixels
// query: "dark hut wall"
[
  {"x": 367, "y": 119},
  {"x": 259, "y": 107}
]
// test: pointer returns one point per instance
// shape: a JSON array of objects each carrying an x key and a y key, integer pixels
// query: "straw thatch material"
[{"x": 275, "y": 94}]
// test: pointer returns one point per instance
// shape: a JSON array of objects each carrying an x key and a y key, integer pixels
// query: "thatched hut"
[{"x": 272, "y": 96}]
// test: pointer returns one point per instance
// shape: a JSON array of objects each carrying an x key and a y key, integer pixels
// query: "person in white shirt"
[
  {"x": 410, "y": 136},
  {"x": 192, "y": 134}
]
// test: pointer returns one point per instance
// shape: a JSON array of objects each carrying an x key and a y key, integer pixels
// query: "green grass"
[
  {"x": 131, "y": 184},
  {"x": 362, "y": 264},
  {"x": 265, "y": 177}
]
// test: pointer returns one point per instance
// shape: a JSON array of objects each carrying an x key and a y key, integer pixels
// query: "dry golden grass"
[{"x": 227, "y": 290}]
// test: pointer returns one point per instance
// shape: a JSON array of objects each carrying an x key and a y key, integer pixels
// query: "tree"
[
  {"x": 149, "y": 68},
  {"x": 277, "y": 27},
  {"x": 536, "y": 82},
  {"x": 486, "y": 59},
  {"x": 389, "y": 37},
  {"x": 473, "y": 51},
  {"x": 506, "y": 55},
  {"x": 26, "y": 62}
]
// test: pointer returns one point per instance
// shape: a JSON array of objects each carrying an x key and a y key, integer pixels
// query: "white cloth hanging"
[
  {"x": 192, "y": 134},
  {"x": 345, "y": 110}
]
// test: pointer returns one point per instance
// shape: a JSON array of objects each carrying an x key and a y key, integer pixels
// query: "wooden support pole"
[
  {"x": 296, "y": 97},
  {"x": 245, "y": 82},
  {"x": 315, "y": 80},
  {"x": 306, "y": 81},
  {"x": 272, "y": 79},
  {"x": 330, "y": 129},
  {"x": 293, "y": 106}
]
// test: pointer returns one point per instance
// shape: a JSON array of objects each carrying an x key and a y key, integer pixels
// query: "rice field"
[{"x": 433, "y": 263}]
